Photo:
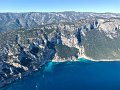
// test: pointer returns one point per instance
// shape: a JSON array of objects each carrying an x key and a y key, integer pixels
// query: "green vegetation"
[
  {"x": 48, "y": 31},
  {"x": 98, "y": 46},
  {"x": 65, "y": 51}
]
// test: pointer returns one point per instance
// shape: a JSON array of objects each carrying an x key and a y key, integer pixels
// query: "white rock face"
[
  {"x": 58, "y": 36},
  {"x": 109, "y": 24}
]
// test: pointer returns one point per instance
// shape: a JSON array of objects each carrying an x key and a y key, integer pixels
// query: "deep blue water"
[{"x": 84, "y": 75}]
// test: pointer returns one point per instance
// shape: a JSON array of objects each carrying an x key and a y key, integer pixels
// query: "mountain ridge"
[
  {"x": 29, "y": 20},
  {"x": 28, "y": 41}
]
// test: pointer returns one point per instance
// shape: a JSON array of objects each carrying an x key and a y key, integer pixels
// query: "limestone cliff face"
[{"x": 25, "y": 50}]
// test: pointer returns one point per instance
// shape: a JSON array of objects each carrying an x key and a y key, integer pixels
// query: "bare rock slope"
[{"x": 29, "y": 40}]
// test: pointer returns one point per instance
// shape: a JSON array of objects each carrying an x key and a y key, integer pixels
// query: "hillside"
[{"x": 29, "y": 40}]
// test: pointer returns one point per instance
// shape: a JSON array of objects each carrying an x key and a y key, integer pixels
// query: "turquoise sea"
[{"x": 80, "y": 75}]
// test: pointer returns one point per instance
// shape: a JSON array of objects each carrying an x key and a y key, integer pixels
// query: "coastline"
[
  {"x": 88, "y": 59},
  {"x": 3, "y": 84},
  {"x": 19, "y": 77}
]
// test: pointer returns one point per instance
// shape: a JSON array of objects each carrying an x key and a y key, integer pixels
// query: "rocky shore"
[{"x": 24, "y": 48}]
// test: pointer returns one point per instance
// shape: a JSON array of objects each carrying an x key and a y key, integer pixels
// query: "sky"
[{"x": 99, "y": 6}]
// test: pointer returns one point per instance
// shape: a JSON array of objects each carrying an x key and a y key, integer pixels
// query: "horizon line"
[{"x": 56, "y": 12}]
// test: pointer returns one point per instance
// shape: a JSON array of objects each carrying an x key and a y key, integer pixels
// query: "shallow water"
[{"x": 81, "y": 75}]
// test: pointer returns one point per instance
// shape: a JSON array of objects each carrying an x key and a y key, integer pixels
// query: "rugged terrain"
[{"x": 29, "y": 40}]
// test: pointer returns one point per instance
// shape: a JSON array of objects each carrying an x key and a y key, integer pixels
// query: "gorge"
[{"x": 29, "y": 40}]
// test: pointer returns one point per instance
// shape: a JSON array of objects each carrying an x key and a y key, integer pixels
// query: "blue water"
[{"x": 82, "y": 75}]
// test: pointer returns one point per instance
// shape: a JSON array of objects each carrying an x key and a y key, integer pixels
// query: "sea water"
[{"x": 79, "y": 75}]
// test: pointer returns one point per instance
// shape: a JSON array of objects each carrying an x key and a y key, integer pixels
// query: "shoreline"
[
  {"x": 88, "y": 59},
  {"x": 3, "y": 84}
]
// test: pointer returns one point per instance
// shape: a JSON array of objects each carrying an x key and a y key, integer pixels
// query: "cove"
[{"x": 79, "y": 75}]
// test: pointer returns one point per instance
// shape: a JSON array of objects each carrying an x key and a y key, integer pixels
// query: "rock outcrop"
[{"x": 43, "y": 37}]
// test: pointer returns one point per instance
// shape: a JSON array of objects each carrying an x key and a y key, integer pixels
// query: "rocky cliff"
[{"x": 29, "y": 40}]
